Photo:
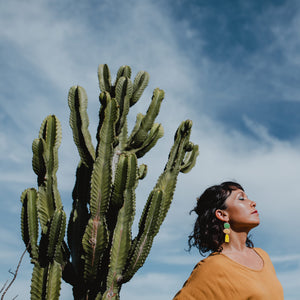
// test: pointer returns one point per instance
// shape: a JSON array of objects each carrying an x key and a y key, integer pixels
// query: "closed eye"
[{"x": 241, "y": 198}]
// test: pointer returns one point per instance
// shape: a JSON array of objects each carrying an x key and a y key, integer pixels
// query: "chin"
[{"x": 254, "y": 223}]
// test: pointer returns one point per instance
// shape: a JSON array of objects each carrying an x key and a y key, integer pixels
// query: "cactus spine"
[{"x": 103, "y": 253}]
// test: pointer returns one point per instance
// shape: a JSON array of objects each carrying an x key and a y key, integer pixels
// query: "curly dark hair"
[{"x": 208, "y": 229}]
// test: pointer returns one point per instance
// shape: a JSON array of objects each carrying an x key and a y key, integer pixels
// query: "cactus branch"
[
  {"x": 29, "y": 221},
  {"x": 123, "y": 71},
  {"x": 140, "y": 131},
  {"x": 79, "y": 122},
  {"x": 104, "y": 78},
  {"x": 140, "y": 83}
]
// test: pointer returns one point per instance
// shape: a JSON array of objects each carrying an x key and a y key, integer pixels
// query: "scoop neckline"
[{"x": 243, "y": 266}]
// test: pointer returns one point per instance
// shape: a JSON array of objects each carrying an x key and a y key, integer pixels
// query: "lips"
[{"x": 254, "y": 212}]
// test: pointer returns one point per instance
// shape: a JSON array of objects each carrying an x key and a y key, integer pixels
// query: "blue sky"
[{"x": 231, "y": 66}]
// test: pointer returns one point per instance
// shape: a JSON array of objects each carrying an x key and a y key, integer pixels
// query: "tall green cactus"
[{"x": 103, "y": 253}]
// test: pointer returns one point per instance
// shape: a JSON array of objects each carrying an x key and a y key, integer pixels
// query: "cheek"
[{"x": 238, "y": 211}]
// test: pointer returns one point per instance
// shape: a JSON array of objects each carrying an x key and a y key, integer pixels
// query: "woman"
[{"x": 234, "y": 270}]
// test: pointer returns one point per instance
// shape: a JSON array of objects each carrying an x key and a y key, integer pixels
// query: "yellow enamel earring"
[{"x": 227, "y": 232}]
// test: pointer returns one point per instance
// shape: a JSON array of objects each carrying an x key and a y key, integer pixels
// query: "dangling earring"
[{"x": 227, "y": 232}]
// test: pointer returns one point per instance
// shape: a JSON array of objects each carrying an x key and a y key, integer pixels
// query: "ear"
[{"x": 222, "y": 215}]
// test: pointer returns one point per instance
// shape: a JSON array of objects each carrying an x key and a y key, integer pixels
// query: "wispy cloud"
[{"x": 51, "y": 48}]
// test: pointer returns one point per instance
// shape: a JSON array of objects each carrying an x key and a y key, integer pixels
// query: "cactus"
[
  {"x": 100, "y": 254},
  {"x": 51, "y": 255}
]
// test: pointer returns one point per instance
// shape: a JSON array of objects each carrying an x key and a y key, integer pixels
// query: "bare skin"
[{"x": 242, "y": 216}]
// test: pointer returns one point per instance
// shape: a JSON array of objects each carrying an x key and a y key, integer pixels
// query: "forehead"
[{"x": 235, "y": 192}]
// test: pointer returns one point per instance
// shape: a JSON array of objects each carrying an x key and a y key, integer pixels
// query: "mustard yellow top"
[{"x": 219, "y": 277}]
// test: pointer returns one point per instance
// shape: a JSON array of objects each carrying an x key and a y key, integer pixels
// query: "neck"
[{"x": 237, "y": 242}]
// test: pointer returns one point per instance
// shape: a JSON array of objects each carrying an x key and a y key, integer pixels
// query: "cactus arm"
[
  {"x": 139, "y": 84},
  {"x": 51, "y": 134},
  {"x": 24, "y": 220},
  {"x": 55, "y": 192},
  {"x": 135, "y": 129},
  {"x": 154, "y": 135},
  {"x": 167, "y": 180},
  {"x": 148, "y": 228},
  {"x": 45, "y": 282},
  {"x": 104, "y": 78},
  {"x": 94, "y": 242},
  {"x": 29, "y": 221},
  {"x": 190, "y": 159},
  {"x": 136, "y": 139},
  {"x": 122, "y": 234},
  {"x": 45, "y": 209},
  {"x": 46, "y": 167},
  {"x": 123, "y": 71},
  {"x": 123, "y": 136},
  {"x": 53, "y": 281},
  {"x": 79, "y": 122},
  {"x": 43, "y": 128},
  {"x": 38, "y": 163},
  {"x": 101, "y": 175},
  {"x": 95, "y": 237},
  {"x": 56, "y": 233},
  {"x": 37, "y": 282},
  {"x": 119, "y": 182},
  {"x": 117, "y": 198},
  {"x": 123, "y": 95},
  {"x": 159, "y": 200},
  {"x": 62, "y": 256},
  {"x": 153, "y": 110}
]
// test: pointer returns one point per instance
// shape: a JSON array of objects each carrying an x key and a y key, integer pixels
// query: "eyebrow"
[{"x": 240, "y": 193}]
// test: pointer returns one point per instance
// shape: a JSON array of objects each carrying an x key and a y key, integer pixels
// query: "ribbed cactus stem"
[
  {"x": 103, "y": 254},
  {"x": 123, "y": 94},
  {"x": 48, "y": 143},
  {"x": 50, "y": 256},
  {"x": 123, "y": 71},
  {"x": 140, "y": 83},
  {"x": 79, "y": 122},
  {"x": 168, "y": 179},
  {"x": 158, "y": 202},
  {"x": 56, "y": 233},
  {"x": 145, "y": 123},
  {"x": 121, "y": 241},
  {"x": 148, "y": 228},
  {"x": 190, "y": 159},
  {"x": 29, "y": 221},
  {"x": 104, "y": 78}
]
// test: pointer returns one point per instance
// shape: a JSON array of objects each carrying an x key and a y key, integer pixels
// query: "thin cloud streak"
[{"x": 267, "y": 166}]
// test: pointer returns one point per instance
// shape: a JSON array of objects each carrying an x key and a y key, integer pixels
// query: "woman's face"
[{"x": 241, "y": 211}]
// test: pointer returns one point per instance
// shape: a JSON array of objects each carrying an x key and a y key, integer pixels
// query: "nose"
[{"x": 252, "y": 203}]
